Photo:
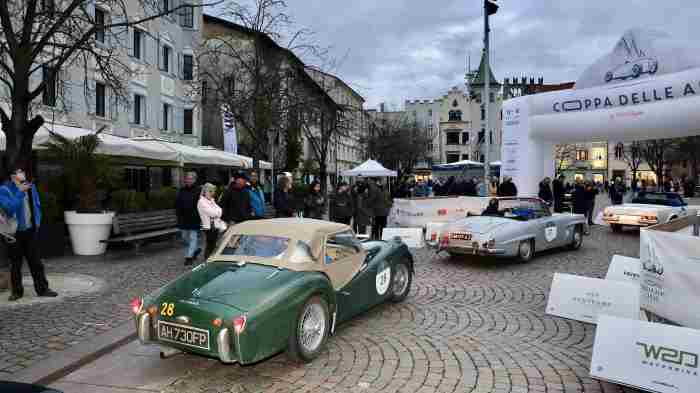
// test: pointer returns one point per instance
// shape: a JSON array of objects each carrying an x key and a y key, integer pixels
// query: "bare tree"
[
  {"x": 398, "y": 144},
  {"x": 632, "y": 155},
  {"x": 564, "y": 154},
  {"x": 251, "y": 73},
  {"x": 41, "y": 40},
  {"x": 655, "y": 153},
  {"x": 689, "y": 150}
]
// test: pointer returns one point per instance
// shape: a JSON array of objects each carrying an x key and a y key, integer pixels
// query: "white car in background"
[{"x": 648, "y": 208}]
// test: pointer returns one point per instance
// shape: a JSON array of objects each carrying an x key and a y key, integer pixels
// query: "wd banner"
[
  {"x": 420, "y": 212},
  {"x": 670, "y": 276},
  {"x": 649, "y": 356}
]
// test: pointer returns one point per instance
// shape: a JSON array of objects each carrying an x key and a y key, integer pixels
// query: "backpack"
[{"x": 8, "y": 224}]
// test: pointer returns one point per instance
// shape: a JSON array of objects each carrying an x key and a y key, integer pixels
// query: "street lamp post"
[{"x": 490, "y": 8}]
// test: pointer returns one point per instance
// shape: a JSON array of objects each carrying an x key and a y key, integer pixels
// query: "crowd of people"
[
  {"x": 366, "y": 204},
  {"x": 456, "y": 186}
]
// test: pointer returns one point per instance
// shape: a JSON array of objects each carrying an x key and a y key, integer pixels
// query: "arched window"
[
  {"x": 455, "y": 104},
  {"x": 619, "y": 151}
]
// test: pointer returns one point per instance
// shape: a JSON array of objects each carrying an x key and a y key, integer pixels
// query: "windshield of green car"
[{"x": 260, "y": 246}]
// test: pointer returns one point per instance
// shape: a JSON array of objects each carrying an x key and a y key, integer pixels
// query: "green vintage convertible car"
[{"x": 274, "y": 285}]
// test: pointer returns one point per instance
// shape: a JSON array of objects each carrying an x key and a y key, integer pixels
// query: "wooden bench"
[{"x": 136, "y": 227}]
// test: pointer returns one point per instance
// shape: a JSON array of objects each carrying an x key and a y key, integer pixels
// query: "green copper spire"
[{"x": 479, "y": 79}]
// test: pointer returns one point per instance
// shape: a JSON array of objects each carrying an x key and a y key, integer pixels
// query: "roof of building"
[
  {"x": 480, "y": 78},
  {"x": 269, "y": 41},
  {"x": 353, "y": 91}
]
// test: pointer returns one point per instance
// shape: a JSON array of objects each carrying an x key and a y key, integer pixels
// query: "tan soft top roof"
[
  {"x": 310, "y": 231},
  {"x": 305, "y": 229}
]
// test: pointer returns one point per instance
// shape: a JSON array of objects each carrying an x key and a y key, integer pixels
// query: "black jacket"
[
  {"x": 545, "y": 192},
  {"x": 363, "y": 211},
  {"x": 557, "y": 189},
  {"x": 186, "y": 208},
  {"x": 342, "y": 205},
  {"x": 236, "y": 205},
  {"x": 315, "y": 205},
  {"x": 580, "y": 200},
  {"x": 507, "y": 189},
  {"x": 283, "y": 206}
]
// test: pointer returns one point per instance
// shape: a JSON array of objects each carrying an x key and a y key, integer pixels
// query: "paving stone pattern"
[
  {"x": 469, "y": 325},
  {"x": 29, "y": 333}
]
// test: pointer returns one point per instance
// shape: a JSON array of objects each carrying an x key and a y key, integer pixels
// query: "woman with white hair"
[{"x": 210, "y": 215}]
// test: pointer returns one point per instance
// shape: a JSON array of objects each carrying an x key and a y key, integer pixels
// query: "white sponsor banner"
[
  {"x": 413, "y": 237},
  {"x": 584, "y": 298},
  {"x": 420, "y": 212},
  {"x": 230, "y": 135},
  {"x": 650, "y": 356},
  {"x": 670, "y": 276},
  {"x": 624, "y": 269}
]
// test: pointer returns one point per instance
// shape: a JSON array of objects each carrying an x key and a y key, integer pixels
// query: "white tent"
[
  {"x": 458, "y": 164},
  {"x": 369, "y": 168},
  {"x": 495, "y": 163}
]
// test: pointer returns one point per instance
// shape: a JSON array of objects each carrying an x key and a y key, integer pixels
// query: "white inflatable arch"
[{"x": 647, "y": 87}]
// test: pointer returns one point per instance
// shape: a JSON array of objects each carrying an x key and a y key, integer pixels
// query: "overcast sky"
[{"x": 411, "y": 49}]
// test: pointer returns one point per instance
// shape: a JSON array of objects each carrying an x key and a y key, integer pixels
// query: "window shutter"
[
  {"x": 130, "y": 40},
  {"x": 179, "y": 65},
  {"x": 178, "y": 120},
  {"x": 113, "y": 114},
  {"x": 160, "y": 117},
  {"x": 144, "y": 111}
]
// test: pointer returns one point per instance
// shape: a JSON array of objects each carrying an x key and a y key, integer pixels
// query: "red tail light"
[
  {"x": 239, "y": 324},
  {"x": 442, "y": 212},
  {"x": 433, "y": 237},
  {"x": 136, "y": 305},
  {"x": 445, "y": 240}
]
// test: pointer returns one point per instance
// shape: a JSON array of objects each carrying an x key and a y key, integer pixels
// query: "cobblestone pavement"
[
  {"x": 29, "y": 333},
  {"x": 469, "y": 325}
]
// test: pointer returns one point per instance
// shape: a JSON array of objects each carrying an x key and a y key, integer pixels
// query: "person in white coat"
[{"x": 210, "y": 215}]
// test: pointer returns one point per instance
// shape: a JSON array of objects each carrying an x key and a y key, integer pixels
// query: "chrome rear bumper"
[{"x": 223, "y": 339}]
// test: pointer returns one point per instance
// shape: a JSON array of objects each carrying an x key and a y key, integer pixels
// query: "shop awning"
[
  {"x": 197, "y": 155},
  {"x": 111, "y": 145}
]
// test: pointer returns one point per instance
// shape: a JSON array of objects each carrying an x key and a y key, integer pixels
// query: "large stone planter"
[{"x": 87, "y": 230}]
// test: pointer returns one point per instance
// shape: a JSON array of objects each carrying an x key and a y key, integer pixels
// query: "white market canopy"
[
  {"x": 111, "y": 145},
  {"x": 369, "y": 168},
  {"x": 147, "y": 148},
  {"x": 495, "y": 163}
]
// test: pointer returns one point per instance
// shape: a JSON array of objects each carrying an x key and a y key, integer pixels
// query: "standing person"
[
  {"x": 580, "y": 202},
  {"x": 558, "y": 193},
  {"x": 590, "y": 193},
  {"x": 342, "y": 205},
  {"x": 545, "y": 192},
  {"x": 374, "y": 196},
  {"x": 188, "y": 221},
  {"x": 382, "y": 208},
  {"x": 617, "y": 192},
  {"x": 363, "y": 211},
  {"x": 315, "y": 202},
  {"x": 493, "y": 187},
  {"x": 508, "y": 188},
  {"x": 210, "y": 217},
  {"x": 482, "y": 189},
  {"x": 20, "y": 199},
  {"x": 257, "y": 197},
  {"x": 236, "y": 200},
  {"x": 283, "y": 205}
]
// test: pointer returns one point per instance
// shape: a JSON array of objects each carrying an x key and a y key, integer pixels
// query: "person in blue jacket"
[
  {"x": 257, "y": 197},
  {"x": 19, "y": 199}
]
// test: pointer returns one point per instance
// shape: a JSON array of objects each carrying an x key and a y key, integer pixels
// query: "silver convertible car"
[
  {"x": 512, "y": 227},
  {"x": 647, "y": 208}
]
